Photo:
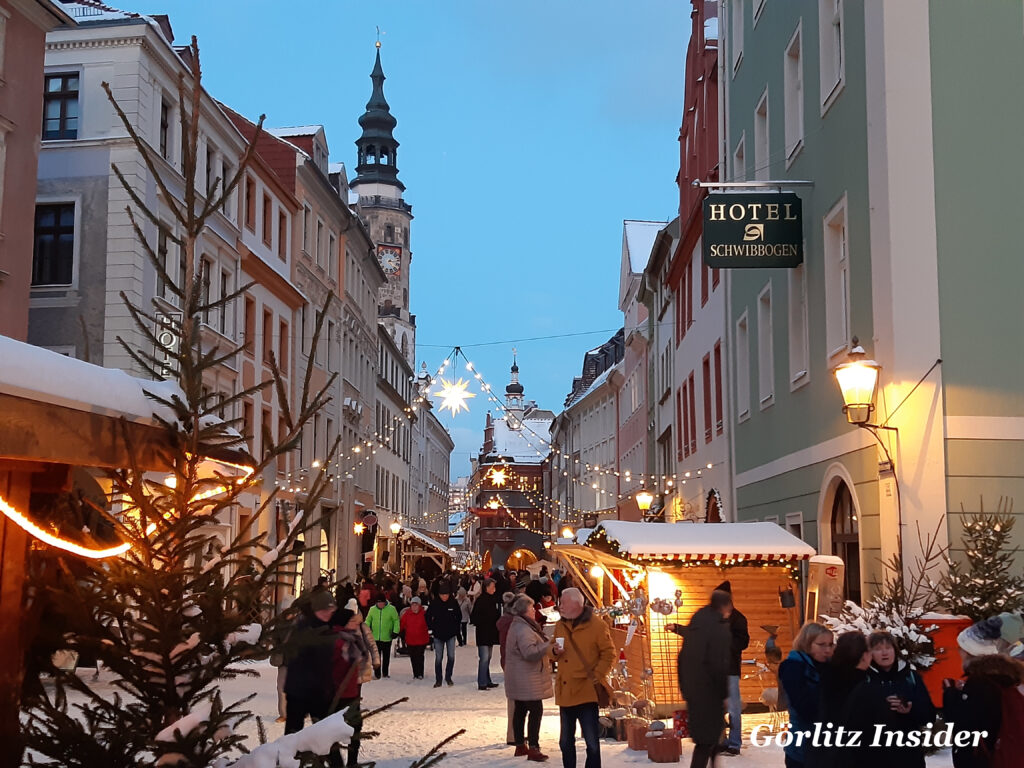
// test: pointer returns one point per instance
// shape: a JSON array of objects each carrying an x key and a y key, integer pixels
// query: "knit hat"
[
  {"x": 381, "y": 598},
  {"x": 1012, "y": 628},
  {"x": 342, "y": 617},
  {"x": 352, "y": 605},
  {"x": 521, "y": 605},
  {"x": 507, "y": 598},
  {"x": 725, "y": 586},
  {"x": 982, "y": 637},
  {"x": 444, "y": 588},
  {"x": 416, "y": 601},
  {"x": 322, "y": 600}
]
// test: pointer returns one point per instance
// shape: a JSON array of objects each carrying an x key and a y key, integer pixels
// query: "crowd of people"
[
  {"x": 325, "y": 654},
  {"x": 832, "y": 686}
]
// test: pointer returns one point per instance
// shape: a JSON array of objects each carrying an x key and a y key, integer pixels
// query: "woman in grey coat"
[{"x": 527, "y": 676}]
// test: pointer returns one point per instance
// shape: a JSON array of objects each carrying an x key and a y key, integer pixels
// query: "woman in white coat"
[{"x": 527, "y": 676}]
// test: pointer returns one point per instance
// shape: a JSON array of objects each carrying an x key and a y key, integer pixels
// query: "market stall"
[
  {"x": 422, "y": 553},
  {"x": 644, "y": 576}
]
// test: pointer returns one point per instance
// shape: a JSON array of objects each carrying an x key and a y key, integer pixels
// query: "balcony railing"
[{"x": 381, "y": 201}]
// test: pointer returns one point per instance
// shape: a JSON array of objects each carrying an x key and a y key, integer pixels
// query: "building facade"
[{"x": 867, "y": 101}]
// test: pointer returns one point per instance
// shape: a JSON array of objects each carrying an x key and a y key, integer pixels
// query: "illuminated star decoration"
[
  {"x": 454, "y": 395},
  {"x": 498, "y": 477}
]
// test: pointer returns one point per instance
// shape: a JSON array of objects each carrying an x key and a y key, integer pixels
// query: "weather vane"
[{"x": 378, "y": 37}]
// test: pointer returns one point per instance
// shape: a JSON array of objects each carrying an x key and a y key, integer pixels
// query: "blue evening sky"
[{"x": 529, "y": 130}]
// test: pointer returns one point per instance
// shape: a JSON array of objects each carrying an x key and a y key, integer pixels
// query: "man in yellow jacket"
[{"x": 584, "y": 651}]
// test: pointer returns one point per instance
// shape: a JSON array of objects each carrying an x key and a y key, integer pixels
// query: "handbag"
[{"x": 604, "y": 696}]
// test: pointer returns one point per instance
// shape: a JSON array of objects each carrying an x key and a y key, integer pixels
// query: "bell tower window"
[{"x": 389, "y": 233}]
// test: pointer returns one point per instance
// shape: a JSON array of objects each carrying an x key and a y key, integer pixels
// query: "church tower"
[
  {"x": 514, "y": 398},
  {"x": 386, "y": 214}
]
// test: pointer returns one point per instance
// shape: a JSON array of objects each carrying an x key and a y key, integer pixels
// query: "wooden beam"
[{"x": 16, "y": 487}]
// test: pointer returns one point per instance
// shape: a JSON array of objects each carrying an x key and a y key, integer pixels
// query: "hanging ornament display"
[{"x": 454, "y": 395}]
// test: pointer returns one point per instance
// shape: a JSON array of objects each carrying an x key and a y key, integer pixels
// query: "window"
[
  {"x": 709, "y": 429},
  {"x": 837, "y": 280},
  {"x": 762, "y": 158},
  {"x": 320, "y": 242},
  {"x": 247, "y": 422},
  {"x": 736, "y": 9},
  {"x": 330, "y": 345},
  {"x": 797, "y": 325},
  {"x": 719, "y": 422},
  {"x": 266, "y": 433},
  {"x": 163, "y": 255},
  {"x": 692, "y": 409},
  {"x": 742, "y": 368},
  {"x": 284, "y": 362},
  {"x": 765, "y": 354},
  {"x": 211, "y": 170},
  {"x": 307, "y": 228},
  {"x": 704, "y": 275},
  {"x": 739, "y": 161},
  {"x": 268, "y": 335},
  {"x": 250, "y": 203},
  {"x": 225, "y": 180},
  {"x": 165, "y": 129},
  {"x": 682, "y": 418},
  {"x": 225, "y": 289},
  {"x": 389, "y": 233},
  {"x": 282, "y": 236},
  {"x": 205, "y": 267},
  {"x": 268, "y": 220},
  {"x": 60, "y": 106},
  {"x": 831, "y": 56},
  {"x": 793, "y": 94},
  {"x": 332, "y": 255},
  {"x": 249, "y": 339},
  {"x": 53, "y": 250}
]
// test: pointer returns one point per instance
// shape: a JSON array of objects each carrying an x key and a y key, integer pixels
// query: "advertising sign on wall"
[{"x": 753, "y": 230}]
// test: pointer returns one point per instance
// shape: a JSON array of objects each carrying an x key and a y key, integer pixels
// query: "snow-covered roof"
[
  {"x": 706, "y": 541},
  {"x": 336, "y": 168},
  {"x": 38, "y": 374},
  {"x": 639, "y": 236},
  {"x": 523, "y": 445},
  {"x": 596, "y": 383},
  {"x": 295, "y": 130},
  {"x": 429, "y": 541},
  {"x": 84, "y": 11},
  {"x": 711, "y": 29}
]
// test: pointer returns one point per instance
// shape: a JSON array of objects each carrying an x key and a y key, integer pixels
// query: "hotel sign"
[{"x": 757, "y": 230}]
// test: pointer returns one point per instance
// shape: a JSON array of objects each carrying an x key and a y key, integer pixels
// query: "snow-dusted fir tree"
[
  {"x": 984, "y": 585},
  {"x": 166, "y": 618}
]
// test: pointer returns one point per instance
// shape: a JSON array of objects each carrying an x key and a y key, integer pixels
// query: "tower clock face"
[{"x": 390, "y": 257}]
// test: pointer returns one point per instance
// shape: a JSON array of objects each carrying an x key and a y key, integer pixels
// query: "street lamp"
[
  {"x": 396, "y": 527},
  {"x": 359, "y": 529},
  {"x": 858, "y": 382},
  {"x": 644, "y": 499}
]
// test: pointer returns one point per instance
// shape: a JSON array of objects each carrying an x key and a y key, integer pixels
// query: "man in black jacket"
[
  {"x": 484, "y": 617},
  {"x": 309, "y": 653},
  {"x": 704, "y": 674},
  {"x": 740, "y": 641},
  {"x": 444, "y": 618}
]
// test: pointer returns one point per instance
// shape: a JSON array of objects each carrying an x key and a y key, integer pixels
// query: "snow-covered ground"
[{"x": 409, "y": 730}]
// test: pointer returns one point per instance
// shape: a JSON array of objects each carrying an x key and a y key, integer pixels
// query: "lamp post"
[{"x": 644, "y": 499}]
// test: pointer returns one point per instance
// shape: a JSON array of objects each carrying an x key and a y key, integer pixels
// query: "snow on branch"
[{"x": 317, "y": 738}]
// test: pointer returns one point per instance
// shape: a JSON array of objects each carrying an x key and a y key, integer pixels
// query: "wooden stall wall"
[{"x": 755, "y": 591}]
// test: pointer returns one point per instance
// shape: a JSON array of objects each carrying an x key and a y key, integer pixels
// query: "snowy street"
[{"x": 409, "y": 730}]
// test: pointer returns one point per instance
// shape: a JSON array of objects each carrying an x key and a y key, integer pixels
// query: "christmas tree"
[
  {"x": 176, "y": 612},
  {"x": 984, "y": 586}
]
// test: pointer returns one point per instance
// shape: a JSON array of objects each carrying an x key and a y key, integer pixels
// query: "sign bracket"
[{"x": 751, "y": 184}]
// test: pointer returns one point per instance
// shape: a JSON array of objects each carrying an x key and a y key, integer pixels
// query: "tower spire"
[{"x": 378, "y": 148}]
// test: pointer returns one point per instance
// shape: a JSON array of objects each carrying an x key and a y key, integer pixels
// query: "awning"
[
  {"x": 430, "y": 542},
  {"x": 706, "y": 541}
]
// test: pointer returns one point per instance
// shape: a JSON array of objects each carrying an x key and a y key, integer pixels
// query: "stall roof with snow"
[
  {"x": 429, "y": 541},
  {"x": 704, "y": 541}
]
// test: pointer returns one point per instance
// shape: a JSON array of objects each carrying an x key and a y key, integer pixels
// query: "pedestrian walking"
[
  {"x": 413, "y": 623},
  {"x": 740, "y": 639},
  {"x": 382, "y": 619},
  {"x": 704, "y": 666},
  {"x": 280, "y": 641},
  {"x": 800, "y": 679},
  {"x": 585, "y": 654},
  {"x": 484, "y": 617},
  {"x": 475, "y": 587},
  {"x": 348, "y": 656},
  {"x": 527, "y": 677},
  {"x": 466, "y": 606},
  {"x": 443, "y": 619},
  {"x": 308, "y": 688}
]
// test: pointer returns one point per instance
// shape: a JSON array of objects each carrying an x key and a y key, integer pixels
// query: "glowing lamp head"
[
  {"x": 858, "y": 383},
  {"x": 359, "y": 529},
  {"x": 597, "y": 571},
  {"x": 547, "y": 545},
  {"x": 396, "y": 527},
  {"x": 567, "y": 532},
  {"x": 644, "y": 499}
]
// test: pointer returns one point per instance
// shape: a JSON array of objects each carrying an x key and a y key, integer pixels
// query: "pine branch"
[{"x": 432, "y": 757}]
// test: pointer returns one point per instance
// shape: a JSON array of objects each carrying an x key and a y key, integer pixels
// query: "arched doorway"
[
  {"x": 521, "y": 558},
  {"x": 845, "y": 531}
]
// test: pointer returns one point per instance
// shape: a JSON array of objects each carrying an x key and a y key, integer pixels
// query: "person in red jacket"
[
  {"x": 413, "y": 626},
  {"x": 349, "y": 655}
]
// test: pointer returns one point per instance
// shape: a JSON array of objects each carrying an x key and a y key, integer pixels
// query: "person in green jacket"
[{"x": 382, "y": 619}]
